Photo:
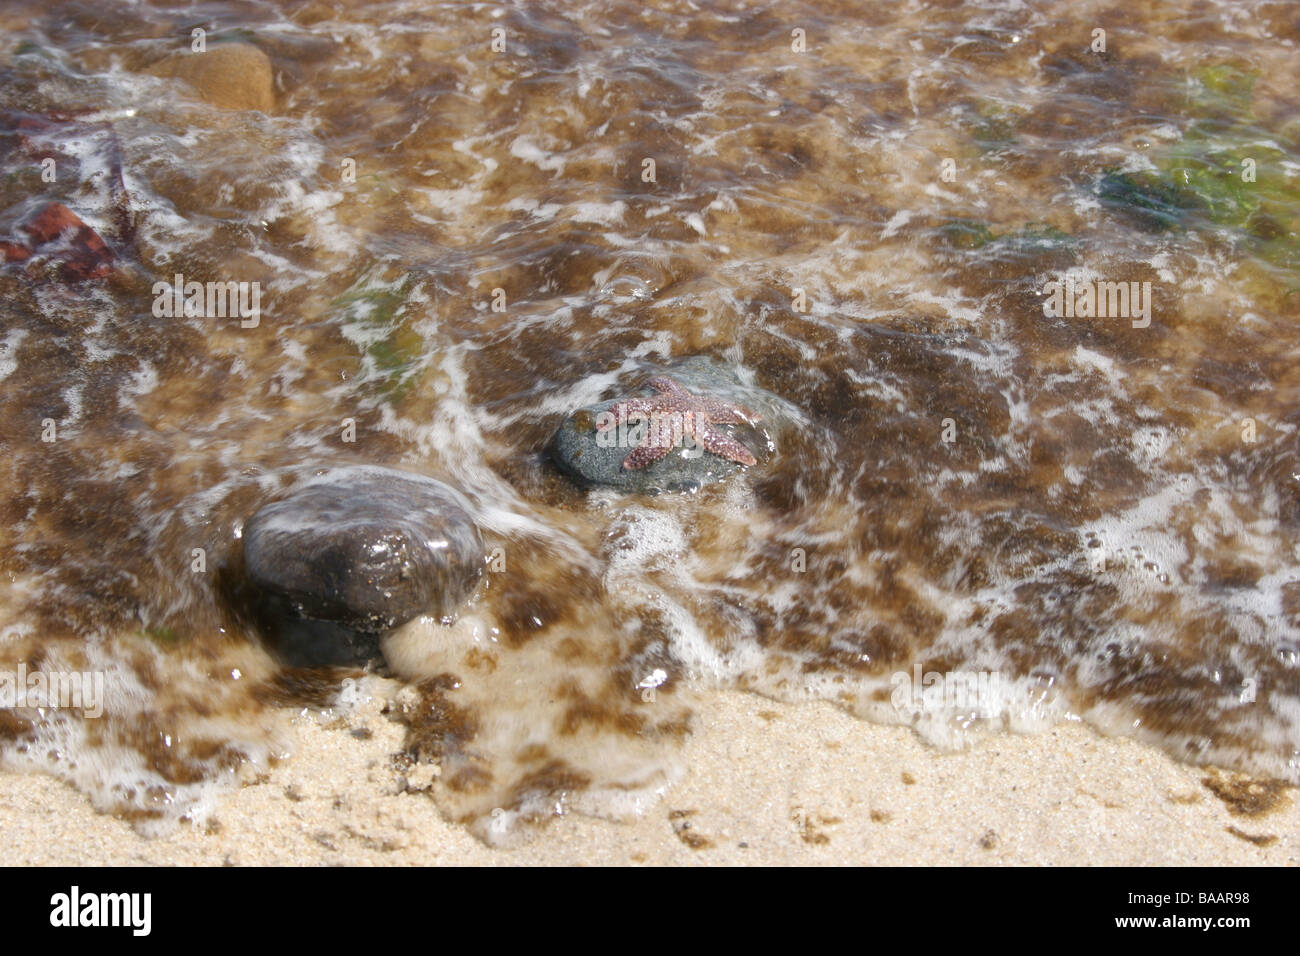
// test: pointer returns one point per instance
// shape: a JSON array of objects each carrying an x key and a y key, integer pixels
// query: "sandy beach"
[
  {"x": 768, "y": 784},
  {"x": 638, "y": 402}
]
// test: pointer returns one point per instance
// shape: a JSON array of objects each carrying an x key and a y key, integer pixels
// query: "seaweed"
[
  {"x": 162, "y": 636},
  {"x": 394, "y": 350},
  {"x": 28, "y": 47},
  {"x": 379, "y": 185},
  {"x": 1150, "y": 202},
  {"x": 1031, "y": 239},
  {"x": 1225, "y": 175},
  {"x": 994, "y": 127},
  {"x": 1037, "y": 239},
  {"x": 966, "y": 233}
]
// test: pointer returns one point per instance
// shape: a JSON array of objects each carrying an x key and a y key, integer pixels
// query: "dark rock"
[
  {"x": 303, "y": 643},
  {"x": 355, "y": 552},
  {"x": 593, "y": 459}
]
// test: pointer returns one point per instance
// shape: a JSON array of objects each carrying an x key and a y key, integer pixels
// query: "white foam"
[
  {"x": 526, "y": 147},
  {"x": 13, "y": 340}
]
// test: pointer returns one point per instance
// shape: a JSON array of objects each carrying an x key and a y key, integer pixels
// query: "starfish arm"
[
  {"x": 726, "y": 413},
  {"x": 726, "y": 446},
  {"x": 668, "y": 387},
  {"x": 631, "y": 408},
  {"x": 646, "y": 454}
]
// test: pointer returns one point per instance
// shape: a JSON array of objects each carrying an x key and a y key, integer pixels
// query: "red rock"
[
  {"x": 86, "y": 256},
  {"x": 14, "y": 252},
  {"x": 50, "y": 223}
]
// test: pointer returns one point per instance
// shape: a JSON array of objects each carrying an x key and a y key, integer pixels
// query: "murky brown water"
[{"x": 1103, "y": 512}]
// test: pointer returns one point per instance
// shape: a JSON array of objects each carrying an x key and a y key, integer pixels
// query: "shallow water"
[{"x": 1101, "y": 516}]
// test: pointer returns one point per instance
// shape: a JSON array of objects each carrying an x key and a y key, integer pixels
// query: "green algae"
[
  {"x": 1226, "y": 176},
  {"x": 1031, "y": 239},
  {"x": 381, "y": 313},
  {"x": 162, "y": 636},
  {"x": 994, "y": 127},
  {"x": 1146, "y": 199}
]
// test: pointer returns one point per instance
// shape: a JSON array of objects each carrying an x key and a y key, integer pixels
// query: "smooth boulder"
[
  {"x": 355, "y": 552},
  {"x": 230, "y": 76}
]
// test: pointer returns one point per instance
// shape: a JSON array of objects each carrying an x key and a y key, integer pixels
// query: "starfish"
[{"x": 675, "y": 413}]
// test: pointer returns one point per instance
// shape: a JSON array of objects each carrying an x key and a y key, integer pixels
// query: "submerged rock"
[
  {"x": 354, "y": 553},
  {"x": 230, "y": 76},
  {"x": 599, "y": 456},
  {"x": 58, "y": 234}
]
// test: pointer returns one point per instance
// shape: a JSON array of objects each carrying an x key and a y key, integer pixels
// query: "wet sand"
[{"x": 769, "y": 784}]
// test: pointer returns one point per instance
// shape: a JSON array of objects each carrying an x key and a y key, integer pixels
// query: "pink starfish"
[{"x": 675, "y": 413}]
